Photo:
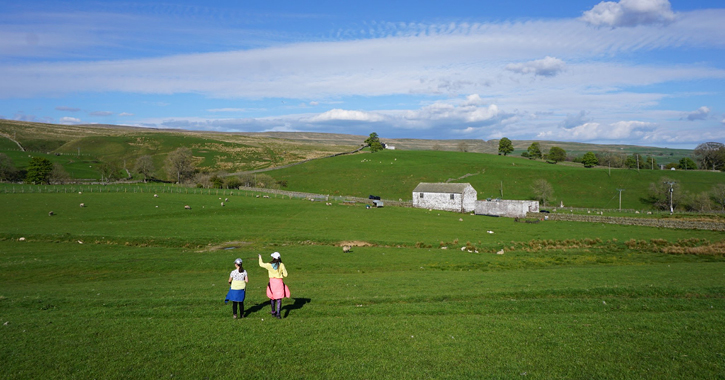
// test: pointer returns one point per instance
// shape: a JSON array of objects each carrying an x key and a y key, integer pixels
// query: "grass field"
[{"x": 141, "y": 297}]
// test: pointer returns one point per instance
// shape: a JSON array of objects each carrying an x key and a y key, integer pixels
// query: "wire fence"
[{"x": 175, "y": 189}]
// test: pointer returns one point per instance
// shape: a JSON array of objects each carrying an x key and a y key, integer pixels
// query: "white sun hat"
[
  {"x": 238, "y": 261},
  {"x": 275, "y": 255}
]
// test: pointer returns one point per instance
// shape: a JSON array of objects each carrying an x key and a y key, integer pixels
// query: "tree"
[
  {"x": 718, "y": 194},
  {"x": 145, "y": 166},
  {"x": 659, "y": 193},
  {"x": 376, "y": 146},
  {"x": 109, "y": 171},
  {"x": 8, "y": 172},
  {"x": 543, "y": 191},
  {"x": 58, "y": 175},
  {"x": 534, "y": 151},
  {"x": 505, "y": 146},
  {"x": 650, "y": 163},
  {"x": 589, "y": 160},
  {"x": 180, "y": 164},
  {"x": 39, "y": 171},
  {"x": 686, "y": 163},
  {"x": 374, "y": 143},
  {"x": 710, "y": 155},
  {"x": 557, "y": 154}
]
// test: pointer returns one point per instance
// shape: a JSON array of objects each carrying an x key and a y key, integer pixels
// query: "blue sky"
[{"x": 647, "y": 72}]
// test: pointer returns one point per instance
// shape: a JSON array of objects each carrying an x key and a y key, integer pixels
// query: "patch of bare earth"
[{"x": 355, "y": 243}]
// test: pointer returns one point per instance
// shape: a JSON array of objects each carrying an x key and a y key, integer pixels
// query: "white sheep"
[
  {"x": 50, "y": 213},
  {"x": 187, "y": 207},
  {"x": 156, "y": 195},
  {"x": 346, "y": 248},
  {"x": 83, "y": 205},
  {"x": 222, "y": 204},
  {"x": 500, "y": 252},
  {"x": 226, "y": 199}
]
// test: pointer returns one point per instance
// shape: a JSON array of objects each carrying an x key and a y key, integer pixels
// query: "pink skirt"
[{"x": 276, "y": 289}]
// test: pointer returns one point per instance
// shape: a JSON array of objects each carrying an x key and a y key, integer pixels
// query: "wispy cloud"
[
  {"x": 101, "y": 113},
  {"x": 547, "y": 67},
  {"x": 67, "y": 109}
]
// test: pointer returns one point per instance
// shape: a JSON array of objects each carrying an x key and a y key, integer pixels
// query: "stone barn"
[
  {"x": 458, "y": 197},
  {"x": 509, "y": 208}
]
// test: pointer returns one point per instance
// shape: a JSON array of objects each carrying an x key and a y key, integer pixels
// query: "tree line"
[{"x": 708, "y": 156}]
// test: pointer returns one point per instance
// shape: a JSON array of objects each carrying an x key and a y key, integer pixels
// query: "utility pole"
[
  {"x": 620, "y": 198},
  {"x": 672, "y": 190}
]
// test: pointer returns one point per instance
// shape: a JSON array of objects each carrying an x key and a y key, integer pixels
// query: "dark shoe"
[{"x": 278, "y": 315}]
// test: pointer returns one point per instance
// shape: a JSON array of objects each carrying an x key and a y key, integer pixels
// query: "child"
[
  {"x": 276, "y": 288},
  {"x": 237, "y": 291}
]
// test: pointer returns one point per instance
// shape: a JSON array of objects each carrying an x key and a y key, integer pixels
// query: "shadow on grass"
[{"x": 296, "y": 305}]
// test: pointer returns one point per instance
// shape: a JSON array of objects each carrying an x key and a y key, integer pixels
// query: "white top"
[{"x": 239, "y": 280}]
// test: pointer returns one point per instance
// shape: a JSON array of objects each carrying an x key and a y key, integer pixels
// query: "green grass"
[
  {"x": 90, "y": 311},
  {"x": 394, "y": 175},
  {"x": 123, "y": 289}
]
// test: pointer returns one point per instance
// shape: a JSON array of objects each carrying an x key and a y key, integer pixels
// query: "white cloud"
[
  {"x": 313, "y": 103},
  {"x": 628, "y": 13},
  {"x": 101, "y": 113},
  {"x": 346, "y": 115},
  {"x": 615, "y": 131},
  {"x": 700, "y": 114},
  {"x": 548, "y": 67},
  {"x": 125, "y": 114},
  {"x": 69, "y": 120}
]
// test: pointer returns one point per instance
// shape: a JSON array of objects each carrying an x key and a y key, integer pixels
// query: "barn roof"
[{"x": 456, "y": 188}]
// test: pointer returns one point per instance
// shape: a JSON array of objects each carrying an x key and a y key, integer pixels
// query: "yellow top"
[{"x": 280, "y": 272}]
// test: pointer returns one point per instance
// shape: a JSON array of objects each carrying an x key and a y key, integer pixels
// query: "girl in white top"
[{"x": 238, "y": 280}]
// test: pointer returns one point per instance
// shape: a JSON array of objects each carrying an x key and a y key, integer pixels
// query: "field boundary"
[{"x": 627, "y": 221}]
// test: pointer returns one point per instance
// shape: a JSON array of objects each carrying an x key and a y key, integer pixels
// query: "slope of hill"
[{"x": 394, "y": 175}]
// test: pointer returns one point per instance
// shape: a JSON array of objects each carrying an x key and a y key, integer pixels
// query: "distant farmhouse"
[
  {"x": 462, "y": 197},
  {"x": 457, "y": 197}
]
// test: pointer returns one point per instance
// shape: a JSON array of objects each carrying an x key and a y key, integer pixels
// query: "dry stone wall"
[{"x": 648, "y": 222}]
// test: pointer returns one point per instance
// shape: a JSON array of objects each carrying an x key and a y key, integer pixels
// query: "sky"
[{"x": 642, "y": 72}]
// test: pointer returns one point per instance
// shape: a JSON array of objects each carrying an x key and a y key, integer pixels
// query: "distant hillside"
[{"x": 236, "y": 152}]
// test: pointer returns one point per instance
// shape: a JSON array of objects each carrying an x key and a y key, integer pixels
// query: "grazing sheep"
[
  {"x": 500, "y": 252},
  {"x": 257, "y": 195},
  {"x": 83, "y": 205},
  {"x": 156, "y": 195},
  {"x": 226, "y": 199},
  {"x": 187, "y": 207},
  {"x": 80, "y": 192},
  {"x": 266, "y": 196},
  {"x": 22, "y": 239},
  {"x": 460, "y": 219},
  {"x": 346, "y": 248},
  {"x": 222, "y": 204},
  {"x": 50, "y": 213}
]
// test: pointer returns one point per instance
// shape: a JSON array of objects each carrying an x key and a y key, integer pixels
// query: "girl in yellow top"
[{"x": 276, "y": 288}]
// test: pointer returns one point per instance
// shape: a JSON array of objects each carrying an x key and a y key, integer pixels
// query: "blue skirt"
[{"x": 235, "y": 295}]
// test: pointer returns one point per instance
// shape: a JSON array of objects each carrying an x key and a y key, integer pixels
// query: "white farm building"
[{"x": 457, "y": 197}]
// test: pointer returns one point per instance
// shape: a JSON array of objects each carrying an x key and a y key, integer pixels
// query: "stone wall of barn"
[
  {"x": 465, "y": 202},
  {"x": 508, "y": 208}
]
